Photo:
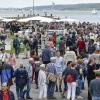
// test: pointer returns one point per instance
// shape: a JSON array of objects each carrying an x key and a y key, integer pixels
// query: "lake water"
[{"x": 80, "y": 15}]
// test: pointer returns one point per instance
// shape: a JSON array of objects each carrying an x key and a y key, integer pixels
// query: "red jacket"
[{"x": 81, "y": 45}]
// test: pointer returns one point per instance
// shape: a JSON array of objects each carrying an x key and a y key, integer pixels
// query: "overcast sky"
[{"x": 27, "y": 3}]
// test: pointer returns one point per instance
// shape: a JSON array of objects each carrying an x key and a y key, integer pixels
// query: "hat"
[{"x": 42, "y": 66}]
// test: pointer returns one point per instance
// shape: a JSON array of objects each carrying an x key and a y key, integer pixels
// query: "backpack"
[
  {"x": 21, "y": 77},
  {"x": 69, "y": 78}
]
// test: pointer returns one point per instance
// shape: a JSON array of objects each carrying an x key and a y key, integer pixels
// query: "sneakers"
[{"x": 79, "y": 97}]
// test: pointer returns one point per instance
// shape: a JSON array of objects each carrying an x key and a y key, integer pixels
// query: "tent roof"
[
  {"x": 8, "y": 20},
  {"x": 23, "y": 20},
  {"x": 68, "y": 20},
  {"x": 36, "y": 18}
]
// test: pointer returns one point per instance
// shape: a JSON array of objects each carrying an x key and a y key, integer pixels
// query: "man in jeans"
[
  {"x": 21, "y": 76},
  {"x": 29, "y": 82},
  {"x": 51, "y": 69},
  {"x": 16, "y": 45},
  {"x": 94, "y": 87}
]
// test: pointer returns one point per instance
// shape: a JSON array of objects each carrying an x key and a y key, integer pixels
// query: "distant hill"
[
  {"x": 88, "y": 6},
  {"x": 85, "y": 7}
]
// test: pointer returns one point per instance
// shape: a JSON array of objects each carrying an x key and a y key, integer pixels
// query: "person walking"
[
  {"x": 16, "y": 45},
  {"x": 90, "y": 73},
  {"x": 21, "y": 78},
  {"x": 51, "y": 78},
  {"x": 59, "y": 69},
  {"x": 81, "y": 46},
  {"x": 71, "y": 80},
  {"x": 94, "y": 87},
  {"x": 46, "y": 55},
  {"x": 37, "y": 68},
  {"x": 62, "y": 47},
  {"x": 42, "y": 83},
  {"x": 29, "y": 70},
  {"x": 64, "y": 77},
  {"x": 91, "y": 47}
]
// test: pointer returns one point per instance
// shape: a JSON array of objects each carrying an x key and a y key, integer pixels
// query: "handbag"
[{"x": 52, "y": 77}]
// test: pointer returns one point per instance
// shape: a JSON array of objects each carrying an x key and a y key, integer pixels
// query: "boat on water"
[{"x": 94, "y": 11}]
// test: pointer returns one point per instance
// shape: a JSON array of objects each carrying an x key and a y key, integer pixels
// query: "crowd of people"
[{"x": 67, "y": 62}]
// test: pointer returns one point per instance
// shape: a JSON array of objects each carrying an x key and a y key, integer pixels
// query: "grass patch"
[{"x": 10, "y": 51}]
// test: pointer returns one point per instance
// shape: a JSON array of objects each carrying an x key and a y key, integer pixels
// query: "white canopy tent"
[
  {"x": 48, "y": 20},
  {"x": 23, "y": 20},
  {"x": 8, "y": 20},
  {"x": 37, "y": 18},
  {"x": 68, "y": 20}
]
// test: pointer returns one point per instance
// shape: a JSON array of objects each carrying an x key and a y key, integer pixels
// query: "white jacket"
[
  {"x": 70, "y": 56},
  {"x": 42, "y": 78}
]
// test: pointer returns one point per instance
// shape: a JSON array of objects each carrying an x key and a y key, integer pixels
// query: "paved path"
[{"x": 34, "y": 92}]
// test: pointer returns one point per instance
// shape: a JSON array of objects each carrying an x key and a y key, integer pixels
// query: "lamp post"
[{"x": 33, "y": 7}]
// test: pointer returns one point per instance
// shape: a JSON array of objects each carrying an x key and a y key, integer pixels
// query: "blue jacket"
[
  {"x": 46, "y": 54},
  {"x": 6, "y": 74}
]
